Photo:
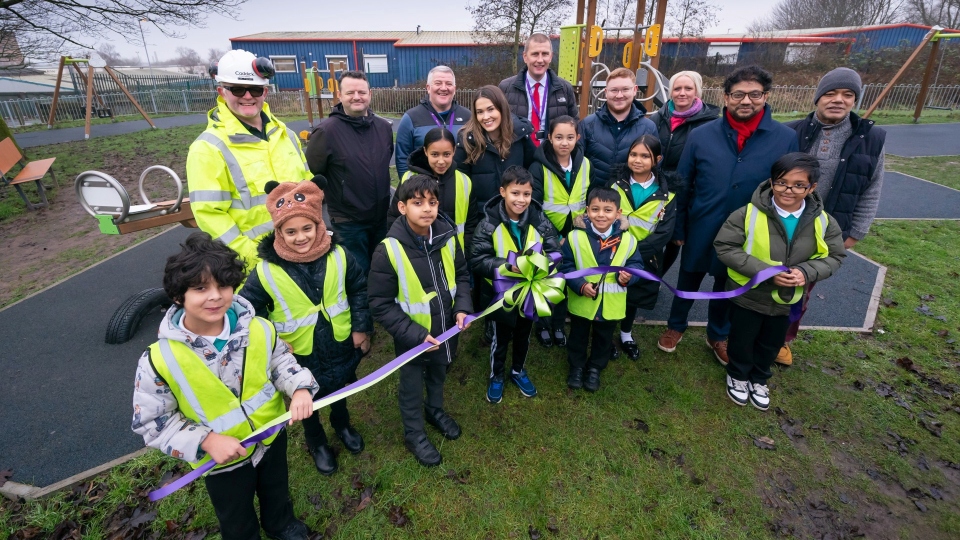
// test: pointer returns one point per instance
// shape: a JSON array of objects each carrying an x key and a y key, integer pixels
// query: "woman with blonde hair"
[
  {"x": 492, "y": 141},
  {"x": 684, "y": 112}
]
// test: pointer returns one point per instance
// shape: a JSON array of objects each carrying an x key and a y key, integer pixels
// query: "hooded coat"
[
  {"x": 426, "y": 258},
  {"x": 448, "y": 194},
  {"x": 354, "y": 153},
  {"x": 606, "y": 141},
  {"x": 483, "y": 255},
  {"x": 333, "y": 363},
  {"x": 795, "y": 253},
  {"x": 486, "y": 172},
  {"x": 545, "y": 157}
]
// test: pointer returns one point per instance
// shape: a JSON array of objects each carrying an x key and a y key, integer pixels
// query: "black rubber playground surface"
[
  {"x": 911, "y": 140},
  {"x": 907, "y": 197}
]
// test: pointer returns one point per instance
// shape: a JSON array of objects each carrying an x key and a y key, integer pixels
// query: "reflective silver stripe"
[
  {"x": 824, "y": 221},
  {"x": 268, "y": 275},
  {"x": 752, "y": 214},
  {"x": 260, "y": 398},
  {"x": 241, "y": 138},
  {"x": 499, "y": 241},
  {"x": 255, "y": 232},
  {"x": 451, "y": 246},
  {"x": 576, "y": 250},
  {"x": 410, "y": 308},
  {"x": 296, "y": 147},
  {"x": 461, "y": 228},
  {"x": 342, "y": 304},
  {"x": 256, "y": 200},
  {"x": 236, "y": 173},
  {"x": 577, "y": 206},
  {"x": 232, "y": 234},
  {"x": 553, "y": 207},
  {"x": 220, "y": 424},
  {"x": 464, "y": 182},
  {"x": 210, "y": 195},
  {"x": 608, "y": 287},
  {"x": 272, "y": 131},
  {"x": 290, "y": 326},
  {"x": 643, "y": 224}
]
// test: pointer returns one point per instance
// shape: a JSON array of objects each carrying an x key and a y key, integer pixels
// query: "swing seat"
[{"x": 104, "y": 198}]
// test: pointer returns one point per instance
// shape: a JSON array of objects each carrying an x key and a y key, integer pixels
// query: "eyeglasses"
[
  {"x": 240, "y": 91},
  {"x": 780, "y": 187},
  {"x": 754, "y": 96},
  {"x": 618, "y": 91}
]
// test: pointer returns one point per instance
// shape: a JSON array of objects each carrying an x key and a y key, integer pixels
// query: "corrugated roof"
[{"x": 401, "y": 38}]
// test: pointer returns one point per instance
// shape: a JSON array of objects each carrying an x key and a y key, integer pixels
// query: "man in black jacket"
[
  {"x": 537, "y": 93},
  {"x": 850, "y": 150},
  {"x": 352, "y": 148}
]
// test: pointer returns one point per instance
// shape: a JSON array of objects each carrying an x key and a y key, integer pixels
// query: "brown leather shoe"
[
  {"x": 785, "y": 356},
  {"x": 719, "y": 350},
  {"x": 668, "y": 340}
]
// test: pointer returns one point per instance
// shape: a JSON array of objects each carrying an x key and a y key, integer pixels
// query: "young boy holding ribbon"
[
  {"x": 217, "y": 374},
  {"x": 783, "y": 225},
  {"x": 419, "y": 287}
]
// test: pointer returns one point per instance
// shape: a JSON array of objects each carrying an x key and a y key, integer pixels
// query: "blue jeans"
[
  {"x": 718, "y": 316},
  {"x": 361, "y": 239}
]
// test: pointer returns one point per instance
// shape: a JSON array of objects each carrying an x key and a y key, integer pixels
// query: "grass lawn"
[
  {"x": 943, "y": 170},
  {"x": 865, "y": 430}
]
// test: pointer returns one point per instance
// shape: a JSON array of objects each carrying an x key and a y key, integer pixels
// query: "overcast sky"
[{"x": 300, "y": 15}]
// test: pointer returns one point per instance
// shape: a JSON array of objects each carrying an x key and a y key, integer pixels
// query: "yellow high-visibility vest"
[
  {"x": 642, "y": 220},
  {"x": 558, "y": 204},
  {"x": 611, "y": 294},
  {"x": 413, "y": 300},
  {"x": 462, "y": 205}
]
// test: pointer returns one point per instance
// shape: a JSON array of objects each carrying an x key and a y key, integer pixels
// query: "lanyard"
[
  {"x": 538, "y": 108},
  {"x": 439, "y": 123}
]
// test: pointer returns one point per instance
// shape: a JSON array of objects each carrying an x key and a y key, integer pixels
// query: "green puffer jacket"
[{"x": 729, "y": 245}]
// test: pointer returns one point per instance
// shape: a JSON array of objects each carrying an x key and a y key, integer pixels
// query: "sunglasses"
[{"x": 240, "y": 91}]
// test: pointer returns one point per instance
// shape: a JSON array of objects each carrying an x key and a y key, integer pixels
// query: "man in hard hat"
[{"x": 243, "y": 148}]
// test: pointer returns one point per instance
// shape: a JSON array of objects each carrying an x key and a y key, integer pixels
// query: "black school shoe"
[
  {"x": 543, "y": 337},
  {"x": 559, "y": 338},
  {"x": 446, "y": 425},
  {"x": 631, "y": 349},
  {"x": 295, "y": 530},
  {"x": 592, "y": 382},
  {"x": 324, "y": 459},
  {"x": 425, "y": 452},
  {"x": 351, "y": 440},
  {"x": 575, "y": 378}
]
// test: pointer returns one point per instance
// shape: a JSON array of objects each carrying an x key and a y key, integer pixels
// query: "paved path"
[{"x": 923, "y": 140}]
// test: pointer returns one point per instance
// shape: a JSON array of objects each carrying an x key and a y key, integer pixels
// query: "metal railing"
[{"x": 396, "y": 101}]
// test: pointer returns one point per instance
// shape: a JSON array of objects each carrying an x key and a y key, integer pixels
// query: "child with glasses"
[{"x": 783, "y": 225}]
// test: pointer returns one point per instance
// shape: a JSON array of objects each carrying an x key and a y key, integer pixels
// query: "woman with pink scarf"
[{"x": 684, "y": 112}]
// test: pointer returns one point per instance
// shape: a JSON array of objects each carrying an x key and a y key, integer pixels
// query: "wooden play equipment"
[
  {"x": 104, "y": 198},
  {"x": 934, "y": 36},
  {"x": 103, "y": 111},
  {"x": 316, "y": 89},
  {"x": 582, "y": 42}
]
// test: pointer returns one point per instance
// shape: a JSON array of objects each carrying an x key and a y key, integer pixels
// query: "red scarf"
[{"x": 744, "y": 129}]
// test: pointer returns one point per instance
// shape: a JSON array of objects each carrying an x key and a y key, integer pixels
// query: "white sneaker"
[
  {"x": 760, "y": 396},
  {"x": 738, "y": 391}
]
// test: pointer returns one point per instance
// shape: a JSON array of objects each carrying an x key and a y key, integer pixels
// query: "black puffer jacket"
[
  {"x": 672, "y": 141},
  {"x": 427, "y": 263},
  {"x": 354, "y": 154},
  {"x": 606, "y": 141},
  {"x": 644, "y": 294},
  {"x": 561, "y": 100},
  {"x": 486, "y": 172},
  {"x": 483, "y": 258},
  {"x": 546, "y": 158},
  {"x": 418, "y": 164},
  {"x": 333, "y": 363}
]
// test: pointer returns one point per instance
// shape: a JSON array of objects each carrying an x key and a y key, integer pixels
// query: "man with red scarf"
[{"x": 723, "y": 162}]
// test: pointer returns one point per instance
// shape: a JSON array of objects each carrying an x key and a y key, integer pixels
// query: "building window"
[
  {"x": 284, "y": 64},
  {"x": 723, "y": 53},
  {"x": 375, "y": 63}
]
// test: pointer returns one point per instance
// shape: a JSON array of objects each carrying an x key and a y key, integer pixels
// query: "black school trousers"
[
  {"x": 754, "y": 342},
  {"x": 232, "y": 495},
  {"x": 602, "y": 346}
]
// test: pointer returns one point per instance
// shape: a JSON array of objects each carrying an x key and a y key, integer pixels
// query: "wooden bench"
[{"x": 32, "y": 171}]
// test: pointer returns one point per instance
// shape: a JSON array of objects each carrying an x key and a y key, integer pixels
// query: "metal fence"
[{"x": 395, "y": 101}]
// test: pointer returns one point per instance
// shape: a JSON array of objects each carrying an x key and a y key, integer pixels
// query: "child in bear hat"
[{"x": 315, "y": 293}]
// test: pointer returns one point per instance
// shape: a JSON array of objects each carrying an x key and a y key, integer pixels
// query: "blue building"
[{"x": 403, "y": 58}]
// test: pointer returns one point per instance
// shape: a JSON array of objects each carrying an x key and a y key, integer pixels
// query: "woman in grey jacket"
[{"x": 784, "y": 224}]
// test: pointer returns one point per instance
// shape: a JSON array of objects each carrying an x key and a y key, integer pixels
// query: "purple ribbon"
[{"x": 761, "y": 276}]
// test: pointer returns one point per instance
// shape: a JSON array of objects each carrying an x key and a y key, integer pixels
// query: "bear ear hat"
[
  {"x": 321, "y": 181},
  {"x": 270, "y": 186}
]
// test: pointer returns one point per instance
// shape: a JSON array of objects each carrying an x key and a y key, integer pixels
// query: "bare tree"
[
  {"x": 109, "y": 52},
  {"x": 46, "y": 27},
  {"x": 945, "y": 13},
  {"x": 796, "y": 14},
  {"x": 214, "y": 55},
  {"x": 509, "y": 21},
  {"x": 687, "y": 18}
]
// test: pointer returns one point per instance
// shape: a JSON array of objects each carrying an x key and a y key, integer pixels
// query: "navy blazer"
[{"x": 720, "y": 180}]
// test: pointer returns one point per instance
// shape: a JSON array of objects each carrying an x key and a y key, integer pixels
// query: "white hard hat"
[{"x": 242, "y": 67}]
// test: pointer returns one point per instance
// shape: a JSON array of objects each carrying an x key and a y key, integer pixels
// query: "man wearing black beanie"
[{"x": 850, "y": 151}]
